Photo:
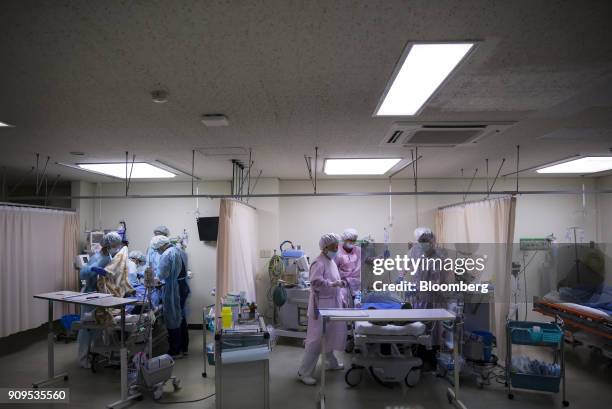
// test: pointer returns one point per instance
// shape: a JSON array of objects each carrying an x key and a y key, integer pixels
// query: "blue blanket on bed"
[
  {"x": 140, "y": 294},
  {"x": 600, "y": 299}
]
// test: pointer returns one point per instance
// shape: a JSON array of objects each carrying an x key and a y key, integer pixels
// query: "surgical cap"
[
  {"x": 111, "y": 239},
  {"x": 350, "y": 234},
  {"x": 423, "y": 234},
  {"x": 159, "y": 241},
  {"x": 161, "y": 231},
  {"x": 137, "y": 255},
  {"x": 327, "y": 239}
]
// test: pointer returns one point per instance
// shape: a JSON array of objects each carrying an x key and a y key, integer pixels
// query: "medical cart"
[
  {"x": 242, "y": 372},
  {"x": 537, "y": 334}
]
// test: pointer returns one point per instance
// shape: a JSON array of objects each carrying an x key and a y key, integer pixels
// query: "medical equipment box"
[{"x": 242, "y": 376}]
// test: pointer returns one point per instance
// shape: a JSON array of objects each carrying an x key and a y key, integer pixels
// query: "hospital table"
[
  {"x": 93, "y": 300},
  {"x": 413, "y": 315}
]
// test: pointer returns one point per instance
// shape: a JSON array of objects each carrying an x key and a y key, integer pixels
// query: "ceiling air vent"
[{"x": 440, "y": 134}]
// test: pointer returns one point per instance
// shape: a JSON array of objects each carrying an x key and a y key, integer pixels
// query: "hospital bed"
[
  {"x": 591, "y": 325},
  {"x": 141, "y": 322},
  {"x": 385, "y": 351},
  {"x": 388, "y": 315}
]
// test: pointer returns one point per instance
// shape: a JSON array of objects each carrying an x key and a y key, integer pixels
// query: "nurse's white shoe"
[
  {"x": 307, "y": 380},
  {"x": 338, "y": 366}
]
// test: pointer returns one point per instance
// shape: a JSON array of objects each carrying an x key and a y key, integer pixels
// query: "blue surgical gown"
[
  {"x": 153, "y": 261},
  {"x": 97, "y": 260},
  {"x": 169, "y": 268}
]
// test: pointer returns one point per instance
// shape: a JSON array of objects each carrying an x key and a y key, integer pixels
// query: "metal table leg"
[
  {"x": 204, "y": 342},
  {"x": 323, "y": 363},
  {"x": 453, "y": 393},
  {"x": 123, "y": 357},
  {"x": 50, "y": 356}
]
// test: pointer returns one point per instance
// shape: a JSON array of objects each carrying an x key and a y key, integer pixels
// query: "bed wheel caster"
[
  {"x": 449, "y": 397},
  {"x": 510, "y": 396},
  {"x": 203, "y": 374},
  {"x": 353, "y": 376},
  {"x": 176, "y": 384},
  {"x": 412, "y": 378},
  {"x": 157, "y": 393},
  {"x": 565, "y": 403}
]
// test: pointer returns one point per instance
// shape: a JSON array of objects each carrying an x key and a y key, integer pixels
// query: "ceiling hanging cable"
[
  {"x": 496, "y": 176},
  {"x": 128, "y": 179},
  {"x": 487, "y": 176},
  {"x": 414, "y": 155},
  {"x": 518, "y": 156},
  {"x": 192, "y": 170},
  {"x": 316, "y": 165},
  {"x": 249, "y": 172},
  {"x": 470, "y": 185},
  {"x": 42, "y": 177},
  {"x": 308, "y": 160}
]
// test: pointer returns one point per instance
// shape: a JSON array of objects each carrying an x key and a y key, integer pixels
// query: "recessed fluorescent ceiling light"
[
  {"x": 358, "y": 166},
  {"x": 141, "y": 170},
  {"x": 425, "y": 67},
  {"x": 588, "y": 164}
]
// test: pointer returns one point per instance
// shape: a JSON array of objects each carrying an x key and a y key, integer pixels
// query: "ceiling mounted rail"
[{"x": 578, "y": 192}]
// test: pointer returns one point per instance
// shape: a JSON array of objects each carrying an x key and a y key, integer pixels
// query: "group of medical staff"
[
  {"x": 335, "y": 278},
  {"x": 169, "y": 264}
]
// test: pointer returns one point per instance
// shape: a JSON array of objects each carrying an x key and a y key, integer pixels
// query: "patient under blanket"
[
  {"x": 116, "y": 280},
  {"x": 599, "y": 298}
]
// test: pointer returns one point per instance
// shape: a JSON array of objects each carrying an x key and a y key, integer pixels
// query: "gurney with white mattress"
[{"x": 385, "y": 350}]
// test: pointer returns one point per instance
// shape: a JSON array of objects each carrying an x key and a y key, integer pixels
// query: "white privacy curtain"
[
  {"x": 236, "y": 249},
  {"x": 485, "y": 222},
  {"x": 37, "y": 252}
]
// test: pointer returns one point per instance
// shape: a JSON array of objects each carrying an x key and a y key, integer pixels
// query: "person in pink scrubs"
[
  {"x": 348, "y": 261},
  {"x": 325, "y": 292}
]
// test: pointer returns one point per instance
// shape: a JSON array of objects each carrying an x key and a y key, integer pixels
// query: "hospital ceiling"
[{"x": 291, "y": 75}]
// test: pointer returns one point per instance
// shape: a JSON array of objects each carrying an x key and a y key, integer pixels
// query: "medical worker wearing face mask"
[
  {"x": 425, "y": 247},
  {"x": 136, "y": 267},
  {"x": 170, "y": 270},
  {"x": 152, "y": 255},
  {"x": 111, "y": 244},
  {"x": 325, "y": 292},
  {"x": 348, "y": 261}
]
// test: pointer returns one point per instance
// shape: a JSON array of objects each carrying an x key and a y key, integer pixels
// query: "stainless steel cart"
[{"x": 242, "y": 373}]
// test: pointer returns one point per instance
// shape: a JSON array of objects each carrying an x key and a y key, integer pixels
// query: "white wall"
[
  {"x": 604, "y": 221},
  {"x": 304, "y": 219},
  {"x": 143, "y": 215}
]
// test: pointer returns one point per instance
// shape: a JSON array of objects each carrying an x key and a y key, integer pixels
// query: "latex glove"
[
  {"x": 189, "y": 274},
  {"x": 99, "y": 271}
]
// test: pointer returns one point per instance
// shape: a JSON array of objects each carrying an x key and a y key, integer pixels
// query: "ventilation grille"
[{"x": 440, "y": 134}]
